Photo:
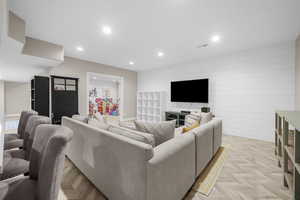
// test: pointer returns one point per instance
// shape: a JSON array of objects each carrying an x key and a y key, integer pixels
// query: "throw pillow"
[
  {"x": 99, "y": 117},
  {"x": 127, "y": 124},
  {"x": 98, "y": 124},
  {"x": 135, "y": 135},
  {"x": 191, "y": 119},
  {"x": 161, "y": 131},
  {"x": 206, "y": 117},
  {"x": 187, "y": 129}
]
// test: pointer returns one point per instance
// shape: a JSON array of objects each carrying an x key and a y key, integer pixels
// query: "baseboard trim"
[{"x": 128, "y": 119}]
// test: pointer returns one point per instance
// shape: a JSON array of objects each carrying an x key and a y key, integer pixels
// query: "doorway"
[{"x": 105, "y": 95}]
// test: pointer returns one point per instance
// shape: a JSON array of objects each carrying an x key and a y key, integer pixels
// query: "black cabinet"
[
  {"x": 40, "y": 95},
  {"x": 178, "y": 116},
  {"x": 64, "y": 96}
]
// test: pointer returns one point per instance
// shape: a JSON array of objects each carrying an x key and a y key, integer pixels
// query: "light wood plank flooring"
[{"x": 250, "y": 173}]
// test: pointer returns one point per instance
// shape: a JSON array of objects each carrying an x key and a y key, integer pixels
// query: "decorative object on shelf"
[
  {"x": 287, "y": 148},
  {"x": 151, "y": 106},
  {"x": 205, "y": 109}
]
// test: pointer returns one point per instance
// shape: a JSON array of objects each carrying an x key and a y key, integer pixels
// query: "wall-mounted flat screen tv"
[{"x": 193, "y": 91}]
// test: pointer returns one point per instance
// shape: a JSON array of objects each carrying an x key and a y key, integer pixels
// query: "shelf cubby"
[
  {"x": 150, "y": 106},
  {"x": 287, "y": 148}
]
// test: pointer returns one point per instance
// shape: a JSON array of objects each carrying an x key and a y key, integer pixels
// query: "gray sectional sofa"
[{"x": 125, "y": 169}]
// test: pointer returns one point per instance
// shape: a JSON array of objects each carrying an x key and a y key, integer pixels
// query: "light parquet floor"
[{"x": 250, "y": 173}]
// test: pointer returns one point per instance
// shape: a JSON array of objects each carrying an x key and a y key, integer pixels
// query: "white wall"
[
  {"x": 99, "y": 84},
  {"x": 245, "y": 88},
  {"x": 79, "y": 68},
  {"x": 1, "y": 105},
  {"x": 17, "y": 97},
  {"x": 297, "y": 74}
]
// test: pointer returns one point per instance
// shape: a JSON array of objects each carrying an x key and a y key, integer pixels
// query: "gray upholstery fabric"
[
  {"x": 127, "y": 124},
  {"x": 25, "y": 115},
  {"x": 113, "y": 163},
  {"x": 191, "y": 119},
  {"x": 20, "y": 189},
  {"x": 217, "y": 123},
  {"x": 162, "y": 131},
  {"x": 98, "y": 124},
  {"x": 15, "y": 153},
  {"x": 171, "y": 171},
  {"x": 133, "y": 134},
  {"x": 47, "y": 159},
  {"x": 12, "y": 144},
  {"x": 30, "y": 132},
  {"x": 10, "y": 141},
  {"x": 125, "y": 169},
  {"x": 46, "y": 167},
  {"x": 206, "y": 117},
  {"x": 11, "y": 136},
  {"x": 32, "y": 123},
  {"x": 81, "y": 118},
  {"x": 13, "y": 167},
  {"x": 204, "y": 145}
]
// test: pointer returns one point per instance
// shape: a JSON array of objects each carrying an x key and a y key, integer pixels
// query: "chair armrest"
[
  {"x": 171, "y": 171},
  {"x": 218, "y": 132},
  {"x": 204, "y": 145}
]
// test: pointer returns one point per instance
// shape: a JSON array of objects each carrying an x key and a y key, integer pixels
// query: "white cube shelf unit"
[{"x": 150, "y": 106}]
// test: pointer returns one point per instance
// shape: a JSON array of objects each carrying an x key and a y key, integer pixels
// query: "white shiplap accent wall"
[{"x": 245, "y": 88}]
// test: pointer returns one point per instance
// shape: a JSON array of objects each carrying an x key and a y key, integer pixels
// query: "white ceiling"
[{"x": 142, "y": 27}]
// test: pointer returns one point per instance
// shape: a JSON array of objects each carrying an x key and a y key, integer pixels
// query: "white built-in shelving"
[{"x": 150, "y": 106}]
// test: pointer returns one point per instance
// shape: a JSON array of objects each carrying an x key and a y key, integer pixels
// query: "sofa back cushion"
[
  {"x": 100, "y": 117},
  {"x": 187, "y": 129},
  {"x": 98, "y": 124},
  {"x": 81, "y": 118},
  {"x": 206, "y": 117},
  {"x": 135, "y": 135},
  {"x": 192, "y": 119},
  {"x": 162, "y": 131},
  {"x": 127, "y": 124}
]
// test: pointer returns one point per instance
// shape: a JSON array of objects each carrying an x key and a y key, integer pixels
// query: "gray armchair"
[
  {"x": 46, "y": 167},
  {"x": 16, "y": 161},
  {"x": 29, "y": 134},
  {"x": 16, "y": 140}
]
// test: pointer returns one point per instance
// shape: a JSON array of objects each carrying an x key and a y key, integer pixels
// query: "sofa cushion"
[
  {"x": 81, "y": 118},
  {"x": 98, "y": 124},
  {"x": 100, "y": 117},
  {"x": 191, "y": 119},
  {"x": 135, "y": 135},
  {"x": 206, "y": 117},
  {"x": 187, "y": 129},
  {"x": 162, "y": 131},
  {"x": 127, "y": 124}
]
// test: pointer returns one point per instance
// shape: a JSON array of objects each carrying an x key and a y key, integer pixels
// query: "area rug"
[{"x": 207, "y": 179}]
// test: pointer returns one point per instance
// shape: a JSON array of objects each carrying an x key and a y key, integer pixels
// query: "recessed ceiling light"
[
  {"x": 131, "y": 63},
  {"x": 94, "y": 77},
  {"x": 215, "y": 38},
  {"x": 106, "y": 30},
  {"x": 80, "y": 48},
  {"x": 160, "y": 54}
]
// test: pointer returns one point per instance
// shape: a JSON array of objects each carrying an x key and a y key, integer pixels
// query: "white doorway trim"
[{"x": 121, "y": 90}]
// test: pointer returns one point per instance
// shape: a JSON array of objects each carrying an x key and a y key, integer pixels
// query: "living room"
[{"x": 150, "y": 99}]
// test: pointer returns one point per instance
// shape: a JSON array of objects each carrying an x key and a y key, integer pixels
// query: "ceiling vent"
[{"x": 202, "y": 46}]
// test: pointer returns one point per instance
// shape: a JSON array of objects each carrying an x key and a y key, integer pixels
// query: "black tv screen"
[{"x": 193, "y": 91}]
